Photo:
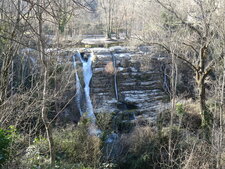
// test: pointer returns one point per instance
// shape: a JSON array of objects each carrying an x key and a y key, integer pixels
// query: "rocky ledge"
[{"x": 139, "y": 81}]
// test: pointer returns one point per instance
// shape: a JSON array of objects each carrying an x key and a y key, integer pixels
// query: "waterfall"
[
  {"x": 86, "y": 60},
  {"x": 115, "y": 76},
  {"x": 78, "y": 87},
  {"x": 87, "y": 74}
]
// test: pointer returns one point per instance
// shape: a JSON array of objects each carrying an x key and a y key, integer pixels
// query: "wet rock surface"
[{"x": 139, "y": 83}]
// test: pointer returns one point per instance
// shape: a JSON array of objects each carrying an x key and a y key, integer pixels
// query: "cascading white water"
[
  {"x": 87, "y": 73},
  {"x": 78, "y": 87}
]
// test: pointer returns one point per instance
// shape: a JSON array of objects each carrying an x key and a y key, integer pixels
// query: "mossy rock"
[{"x": 125, "y": 126}]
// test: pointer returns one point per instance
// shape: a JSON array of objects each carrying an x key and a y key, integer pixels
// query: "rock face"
[{"x": 139, "y": 82}]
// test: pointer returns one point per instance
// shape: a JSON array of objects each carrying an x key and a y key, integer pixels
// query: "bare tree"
[
  {"x": 41, "y": 50},
  {"x": 194, "y": 32},
  {"x": 108, "y": 10},
  {"x": 10, "y": 48}
]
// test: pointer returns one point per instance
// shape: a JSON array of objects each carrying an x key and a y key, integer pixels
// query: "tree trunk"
[
  {"x": 173, "y": 108},
  {"x": 200, "y": 79},
  {"x": 44, "y": 112},
  {"x": 46, "y": 120},
  {"x": 205, "y": 114},
  {"x": 202, "y": 105},
  {"x": 109, "y": 28}
]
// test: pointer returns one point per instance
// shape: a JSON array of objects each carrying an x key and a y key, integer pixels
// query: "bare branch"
[{"x": 189, "y": 25}]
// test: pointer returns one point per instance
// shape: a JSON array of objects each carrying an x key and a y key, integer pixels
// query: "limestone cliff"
[{"x": 139, "y": 82}]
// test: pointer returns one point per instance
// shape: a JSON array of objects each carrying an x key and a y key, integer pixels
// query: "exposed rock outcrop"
[
  {"x": 139, "y": 79},
  {"x": 139, "y": 82}
]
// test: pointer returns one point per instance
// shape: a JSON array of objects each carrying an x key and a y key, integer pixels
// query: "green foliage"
[
  {"x": 66, "y": 165},
  {"x": 78, "y": 146},
  {"x": 149, "y": 150},
  {"x": 180, "y": 109},
  {"x": 37, "y": 157},
  {"x": 61, "y": 165},
  {"x": 104, "y": 121},
  {"x": 4, "y": 144},
  {"x": 75, "y": 148},
  {"x": 37, "y": 153},
  {"x": 208, "y": 118},
  {"x": 6, "y": 138},
  {"x": 207, "y": 121},
  {"x": 2, "y": 40}
]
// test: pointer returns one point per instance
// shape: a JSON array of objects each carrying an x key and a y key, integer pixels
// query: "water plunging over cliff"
[
  {"x": 86, "y": 60},
  {"x": 133, "y": 88},
  {"x": 87, "y": 73}
]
